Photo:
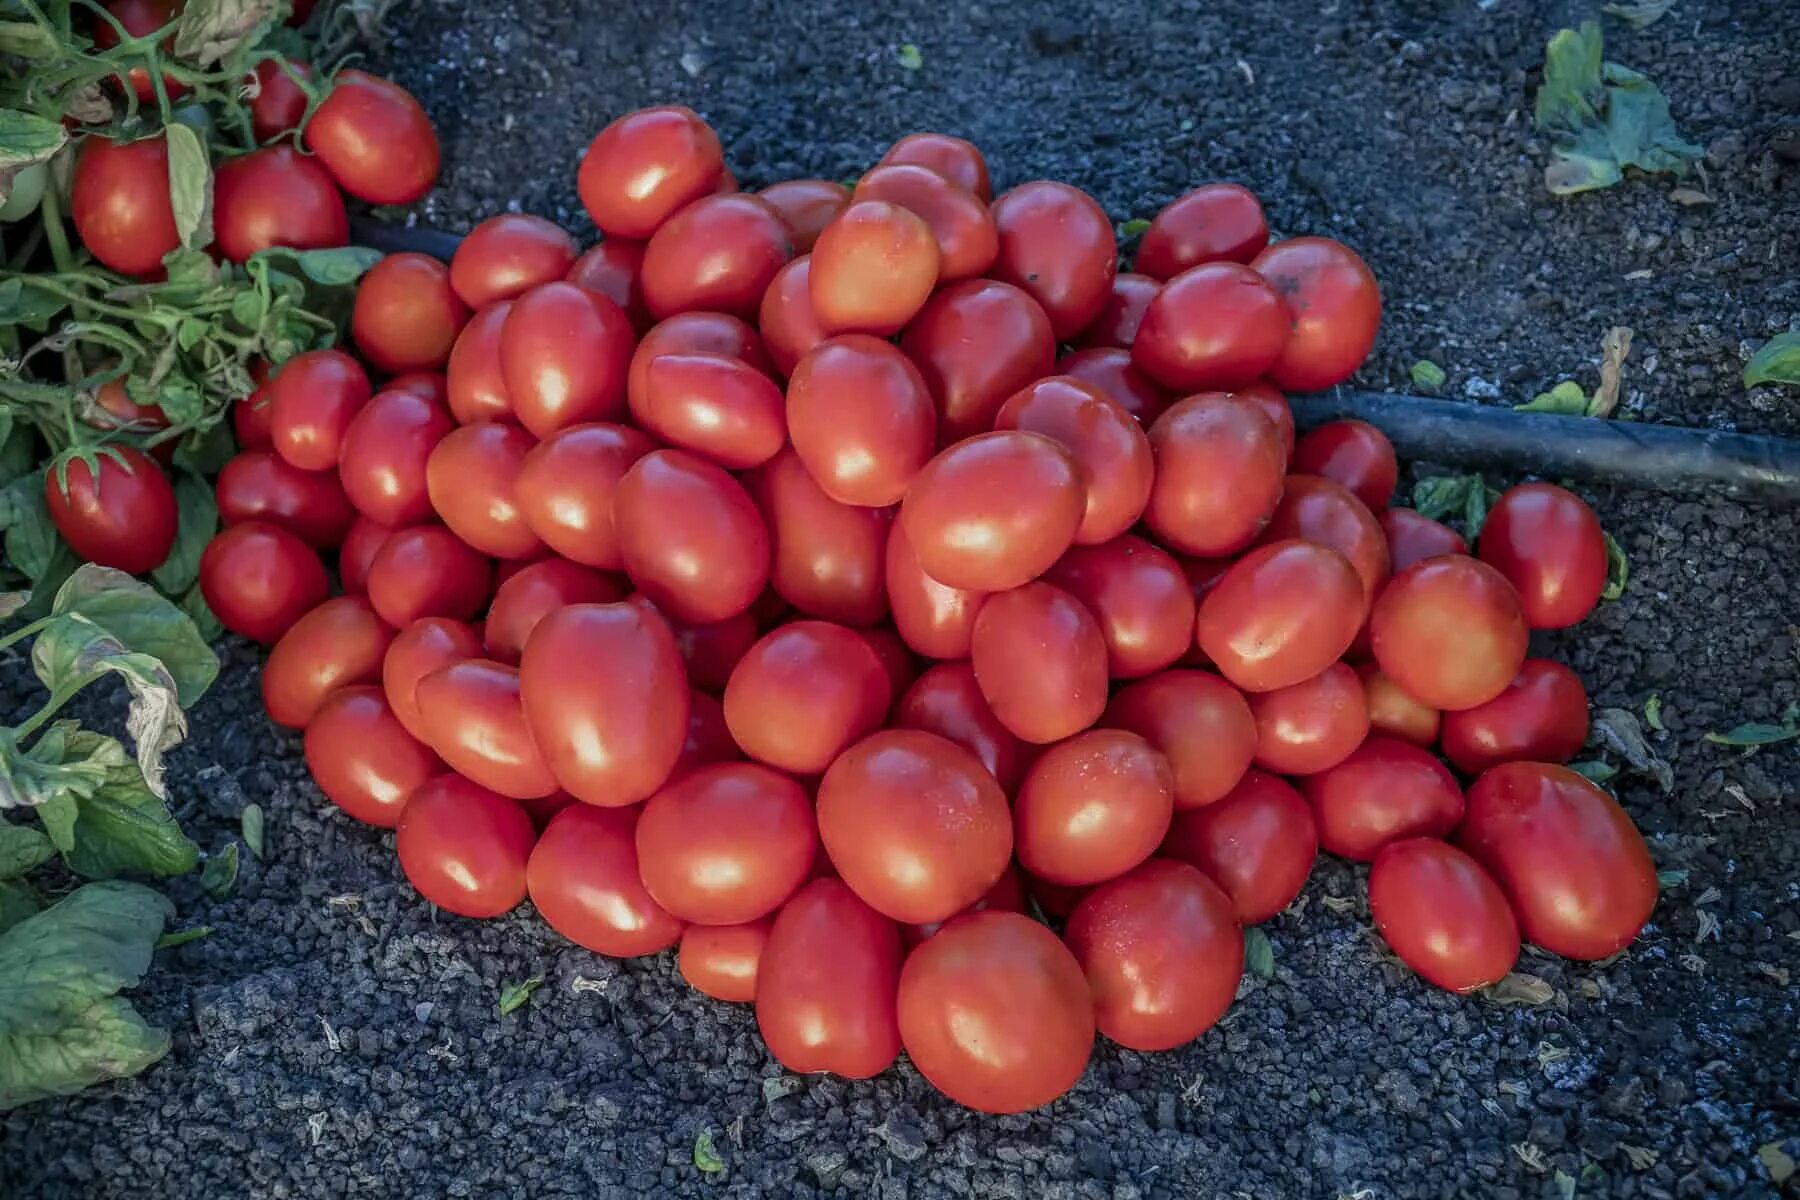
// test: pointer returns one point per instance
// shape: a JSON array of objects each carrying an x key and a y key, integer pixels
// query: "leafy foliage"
[{"x": 1602, "y": 118}]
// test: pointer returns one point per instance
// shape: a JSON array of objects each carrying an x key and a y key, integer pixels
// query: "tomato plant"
[{"x": 115, "y": 508}]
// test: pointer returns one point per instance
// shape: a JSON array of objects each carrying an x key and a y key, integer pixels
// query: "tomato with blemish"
[
  {"x": 1058, "y": 245},
  {"x": 1334, "y": 305}
]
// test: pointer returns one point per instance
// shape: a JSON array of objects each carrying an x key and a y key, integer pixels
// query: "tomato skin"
[
  {"x": 806, "y": 207},
  {"x": 426, "y": 645},
  {"x": 718, "y": 254},
  {"x": 1137, "y": 593},
  {"x": 1199, "y": 722},
  {"x": 644, "y": 166},
  {"x": 1310, "y": 726},
  {"x": 119, "y": 513},
  {"x": 1281, "y": 614},
  {"x": 360, "y": 546},
  {"x": 827, "y": 557},
  {"x": 583, "y": 880},
  {"x": 275, "y": 196},
  {"x": 565, "y": 490},
  {"x": 710, "y": 652},
  {"x": 708, "y": 738},
  {"x": 407, "y": 315},
  {"x": 872, "y": 269},
  {"x": 1216, "y": 222},
  {"x": 861, "y": 419},
  {"x": 537, "y": 590},
  {"x": 1162, "y": 952},
  {"x": 1274, "y": 406},
  {"x": 1219, "y": 473},
  {"x": 826, "y": 984},
  {"x": 336, "y": 645},
  {"x": 1353, "y": 453},
  {"x": 120, "y": 203},
  {"x": 947, "y": 701},
  {"x": 610, "y": 738},
  {"x": 718, "y": 407},
  {"x": 476, "y": 380},
  {"x": 117, "y": 410},
  {"x": 1318, "y": 510},
  {"x": 956, "y": 159},
  {"x": 1574, "y": 867},
  {"x": 1393, "y": 712},
  {"x": 1385, "y": 790},
  {"x": 140, "y": 18},
  {"x": 1218, "y": 325},
  {"x": 1542, "y": 716},
  {"x": 964, "y": 230},
  {"x": 383, "y": 453},
  {"x": 995, "y": 1012},
  {"x": 1007, "y": 895},
  {"x": 250, "y": 416},
  {"x": 1412, "y": 538},
  {"x": 692, "y": 333},
  {"x": 690, "y": 537},
  {"x": 375, "y": 139},
  {"x": 279, "y": 103},
  {"x": 722, "y": 961},
  {"x": 465, "y": 848},
  {"x": 1336, "y": 310},
  {"x": 259, "y": 579},
  {"x": 1109, "y": 369},
  {"x": 805, "y": 692},
  {"x": 1549, "y": 545},
  {"x": 427, "y": 571},
  {"x": 995, "y": 511},
  {"x": 1450, "y": 631},
  {"x": 474, "y": 719},
  {"x": 1040, "y": 659},
  {"x": 1058, "y": 245},
  {"x": 1117, "y": 323},
  {"x": 363, "y": 759},
  {"x": 789, "y": 326},
  {"x": 726, "y": 844},
  {"x": 471, "y": 477},
  {"x": 933, "y": 620},
  {"x": 314, "y": 396},
  {"x": 1442, "y": 914},
  {"x": 507, "y": 255},
  {"x": 1093, "y": 807},
  {"x": 1109, "y": 447},
  {"x": 1258, "y": 844},
  {"x": 564, "y": 355},
  {"x": 897, "y": 662},
  {"x": 976, "y": 343},
  {"x": 615, "y": 269}
]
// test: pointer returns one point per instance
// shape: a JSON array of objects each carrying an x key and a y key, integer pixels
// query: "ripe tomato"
[
  {"x": 427, "y": 571},
  {"x": 583, "y": 880},
  {"x": 1542, "y": 716},
  {"x": 507, "y": 255},
  {"x": 374, "y": 139},
  {"x": 315, "y": 395},
  {"x": 1109, "y": 369},
  {"x": 861, "y": 419},
  {"x": 361, "y": 545},
  {"x": 952, "y": 157},
  {"x": 721, "y": 961},
  {"x": 470, "y": 476},
  {"x": 1393, "y": 712},
  {"x": 1317, "y": 510},
  {"x": 690, "y": 537},
  {"x": 119, "y": 511},
  {"x": 826, "y": 983},
  {"x": 897, "y": 662},
  {"x": 140, "y": 18},
  {"x": 933, "y": 620},
  {"x": 1093, "y": 807},
  {"x": 535, "y": 591},
  {"x": 407, "y": 315},
  {"x": 1107, "y": 445},
  {"x": 964, "y": 230},
  {"x": 1443, "y": 915},
  {"x": 693, "y": 333},
  {"x": 564, "y": 354},
  {"x": 115, "y": 409},
  {"x": 279, "y": 104},
  {"x": 995, "y": 1012},
  {"x": 1040, "y": 659},
  {"x": 827, "y": 557},
  {"x": 250, "y": 416},
  {"x": 615, "y": 269},
  {"x": 976, "y": 343},
  {"x": 474, "y": 719},
  {"x": 610, "y": 738},
  {"x": 712, "y": 651},
  {"x": 422, "y": 647},
  {"x": 476, "y": 383},
  {"x": 1567, "y": 856},
  {"x": 1353, "y": 453},
  {"x": 644, "y": 166},
  {"x": 1219, "y": 475},
  {"x": 790, "y": 328},
  {"x": 1312, "y": 725},
  {"x": 1162, "y": 952},
  {"x": 465, "y": 848},
  {"x": 1386, "y": 789},
  {"x": 1218, "y": 325},
  {"x": 363, "y": 759},
  {"x": 1199, "y": 722},
  {"x": 805, "y": 692},
  {"x": 806, "y": 207},
  {"x": 120, "y": 203},
  {"x": 1216, "y": 222},
  {"x": 565, "y": 490},
  {"x": 947, "y": 701},
  {"x": 336, "y": 645},
  {"x": 383, "y": 453},
  {"x": 872, "y": 269},
  {"x": 258, "y": 579},
  {"x": 275, "y": 196},
  {"x": 1450, "y": 631},
  {"x": 1117, "y": 324},
  {"x": 1139, "y": 596},
  {"x": 719, "y": 407},
  {"x": 1548, "y": 544},
  {"x": 995, "y": 511},
  {"x": 1058, "y": 245},
  {"x": 719, "y": 254},
  {"x": 726, "y": 844},
  {"x": 1258, "y": 844},
  {"x": 1335, "y": 306},
  {"x": 1281, "y": 614},
  {"x": 1411, "y": 537}
]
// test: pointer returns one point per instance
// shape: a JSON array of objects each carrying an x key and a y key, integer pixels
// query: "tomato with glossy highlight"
[
  {"x": 1316, "y": 509},
  {"x": 120, "y": 203},
  {"x": 383, "y": 454},
  {"x": 475, "y": 379},
  {"x": 1312, "y": 725},
  {"x": 956, "y": 159},
  {"x": 1393, "y": 712},
  {"x": 258, "y": 579},
  {"x": 1335, "y": 308},
  {"x": 1442, "y": 914},
  {"x": 1542, "y": 716},
  {"x": 1110, "y": 449},
  {"x": 1549, "y": 545},
  {"x": 583, "y": 880},
  {"x": 275, "y": 196},
  {"x": 805, "y": 692},
  {"x": 1201, "y": 724},
  {"x": 872, "y": 269},
  {"x": 1353, "y": 453},
  {"x": 1140, "y": 597},
  {"x": 1385, "y": 790},
  {"x": 642, "y": 168},
  {"x": 861, "y": 419},
  {"x": 933, "y": 620},
  {"x": 976, "y": 343},
  {"x": 336, "y": 645},
  {"x": 690, "y": 537},
  {"x": 407, "y": 315},
  {"x": 1093, "y": 807},
  {"x": 1281, "y": 614},
  {"x": 257, "y": 485},
  {"x": 537, "y": 590},
  {"x": 428, "y": 644},
  {"x": 719, "y": 254},
  {"x": 947, "y": 701},
  {"x": 995, "y": 511},
  {"x": 1040, "y": 659},
  {"x": 826, "y": 557},
  {"x": 427, "y": 571},
  {"x": 1450, "y": 631},
  {"x": 1219, "y": 473},
  {"x": 465, "y": 848},
  {"x": 727, "y": 843},
  {"x": 474, "y": 719},
  {"x": 363, "y": 759},
  {"x": 722, "y": 961},
  {"x": 564, "y": 356},
  {"x": 565, "y": 489},
  {"x": 826, "y": 984},
  {"x": 790, "y": 328},
  {"x": 508, "y": 255},
  {"x": 471, "y": 475},
  {"x": 1058, "y": 245},
  {"x": 375, "y": 139},
  {"x": 119, "y": 512},
  {"x": 1216, "y": 326},
  {"x": 967, "y": 241},
  {"x": 718, "y": 407},
  {"x": 1216, "y": 222},
  {"x": 1259, "y": 844},
  {"x": 315, "y": 395}
]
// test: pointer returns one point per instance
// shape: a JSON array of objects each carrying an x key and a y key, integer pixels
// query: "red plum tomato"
[
  {"x": 583, "y": 880},
  {"x": 956, "y": 159},
  {"x": 534, "y": 592},
  {"x": 721, "y": 961},
  {"x": 1058, "y": 245},
  {"x": 1109, "y": 447},
  {"x": 507, "y": 255},
  {"x": 861, "y": 419},
  {"x": 375, "y": 139},
  {"x": 1542, "y": 716},
  {"x": 1040, "y": 659},
  {"x": 1385, "y": 790},
  {"x": 785, "y": 318},
  {"x": 1312, "y": 725},
  {"x": 718, "y": 407},
  {"x": 315, "y": 396},
  {"x": 1109, "y": 369},
  {"x": 976, "y": 343},
  {"x": 426, "y": 571},
  {"x": 1216, "y": 326},
  {"x": 726, "y": 843},
  {"x": 804, "y": 693},
  {"x": 1335, "y": 308},
  {"x": 340, "y": 643},
  {"x": 964, "y": 229},
  {"x": 258, "y": 579},
  {"x": 565, "y": 490},
  {"x": 1548, "y": 544},
  {"x": 1258, "y": 843},
  {"x": 1450, "y": 631},
  {"x": 275, "y": 196},
  {"x": 118, "y": 510},
  {"x": 120, "y": 204},
  {"x": 1442, "y": 914},
  {"x": 474, "y": 719},
  {"x": 826, "y": 557},
  {"x": 407, "y": 315},
  {"x": 476, "y": 383},
  {"x": 426, "y": 645},
  {"x": 995, "y": 511},
  {"x": 1393, "y": 712},
  {"x": 1201, "y": 724},
  {"x": 1093, "y": 807},
  {"x": 1216, "y": 222},
  {"x": 646, "y": 165},
  {"x": 933, "y": 620},
  {"x": 690, "y": 537},
  {"x": 947, "y": 701},
  {"x": 1281, "y": 614},
  {"x": 1354, "y": 454},
  {"x": 1412, "y": 538},
  {"x": 1219, "y": 471},
  {"x": 1140, "y": 597},
  {"x": 470, "y": 477},
  {"x": 465, "y": 848},
  {"x": 564, "y": 356},
  {"x": 719, "y": 254},
  {"x": 363, "y": 759},
  {"x": 872, "y": 269},
  {"x": 383, "y": 454},
  {"x": 826, "y": 984},
  {"x": 806, "y": 207}
]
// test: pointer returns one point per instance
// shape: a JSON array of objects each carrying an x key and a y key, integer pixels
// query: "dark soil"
[{"x": 336, "y": 1037}]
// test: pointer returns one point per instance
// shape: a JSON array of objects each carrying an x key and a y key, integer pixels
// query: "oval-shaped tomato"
[
  {"x": 1093, "y": 807},
  {"x": 826, "y": 557},
  {"x": 257, "y": 485},
  {"x": 120, "y": 203},
  {"x": 826, "y": 984},
  {"x": 361, "y": 545},
  {"x": 1548, "y": 544},
  {"x": 727, "y": 843},
  {"x": 967, "y": 240},
  {"x": 118, "y": 512},
  {"x": 1058, "y": 245},
  {"x": 407, "y": 315},
  {"x": 1385, "y": 790},
  {"x": 474, "y": 719},
  {"x": 1450, "y": 631},
  {"x": 976, "y": 343},
  {"x": 1162, "y": 952},
  {"x": 956, "y": 159},
  {"x": 805, "y": 692},
  {"x": 583, "y": 880},
  {"x": 275, "y": 196},
  {"x": 465, "y": 848},
  {"x": 280, "y": 103},
  {"x": 693, "y": 333},
  {"x": 1542, "y": 716},
  {"x": 1316, "y": 509},
  {"x": 1258, "y": 843},
  {"x": 1354, "y": 454},
  {"x": 258, "y": 579},
  {"x": 995, "y": 1012},
  {"x": 315, "y": 396},
  {"x": 1109, "y": 369},
  {"x": 947, "y": 701},
  {"x": 718, "y": 407},
  {"x": 477, "y": 384},
  {"x": 872, "y": 269},
  {"x": 1117, "y": 323},
  {"x": 508, "y": 255},
  {"x": 1138, "y": 594},
  {"x": 140, "y": 19},
  {"x": 1199, "y": 722},
  {"x": 722, "y": 961},
  {"x": 1219, "y": 475},
  {"x": 471, "y": 475},
  {"x": 1216, "y": 222},
  {"x": 995, "y": 511},
  {"x": 1217, "y": 325},
  {"x": 564, "y": 356},
  {"x": 1442, "y": 914},
  {"x": 1412, "y": 537},
  {"x": 1281, "y": 614},
  {"x": 336, "y": 645},
  {"x": 933, "y": 620},
  {"x": 565, "y": 489},
  {"x": 426, "y": 645},
  {"x": 363, "y": 759},
  {"x": 789, "y": 326},
  {"x": 806, "y": 206},
  {"x": 644, "y": 166},
  {"x": 374, "y": 139},
  {"x": 615, "y": 269},
  {"x": 382, "y": 457},
  {"x": 1568, "y": 857},
  {"x": 861, "y": 419},
  {"x": 1393, "y": 712},
  {"x": 1109, "y": 447},
  {"x": 534, "y": 592},
  {"x": 718, "y": 254},
  {"x": 1312, "y": 725},
  {"x": 1040, "y": 659},
  {"x": 690, "y": 537},
  {"x": 1336, "y": 310},
  {"x": 427, "y": 571}
]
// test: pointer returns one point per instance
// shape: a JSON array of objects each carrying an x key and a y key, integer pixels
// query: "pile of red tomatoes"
[{"x": 821, "y": 581}]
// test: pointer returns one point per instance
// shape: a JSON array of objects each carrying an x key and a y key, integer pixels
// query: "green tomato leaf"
[
  {"x": 1428, "y": 375},
  {"x": 190, "y": 269},
  {"x": 1594, "y": 771},
  {"x": 59, "y": 814},
  {"x": 211, "y": 29},
  {"x": 205, "y": 452},
  {"x": 71, "y": 652},
  {"x": 27, "y": 39},
  {"x": 25, "y": 303},
  {"x": 1671, "y": 878},
  {"x": 1777, "y": 362},
  {"x": 193, "y": 603},
  {"x": 120, "y": 825},
  {"x": 15, "y": 456},
  {"x": 1136, "y": 227},
  {"x": 251, "y": 823},
  {"x": 514, "y": 995},
  {"x": 1618, "y": 570},
  {"x": 1443, "y": 496},
  {"x": 1259, "y": 955},
  {"x": 1601, "y": 117},
  {"x": 17, "y": 902},
  {"x": 1653, "y": 713},
  {"x": 1639, "y": 14},
  {"x": 21, "y": 849},
  {"x": 199, "y": 520},
  {"x": 706, "y": 1155},
  {"x": 31, "y": 539},
  {"x": 169, "y": 941},
  {"x": 1566, "y": 399},
  {"x": 219, "y": 875},
  {"x": 144, "y": 623},
  {"x": 1475, "y": 510},
  {"x": 190, "y": 185},
  {"x": 329, "y": 268},
  {"x": 26, "y": 138}
]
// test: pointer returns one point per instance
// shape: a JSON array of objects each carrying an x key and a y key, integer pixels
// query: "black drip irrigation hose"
[{"x": 1663, "y": 458}]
